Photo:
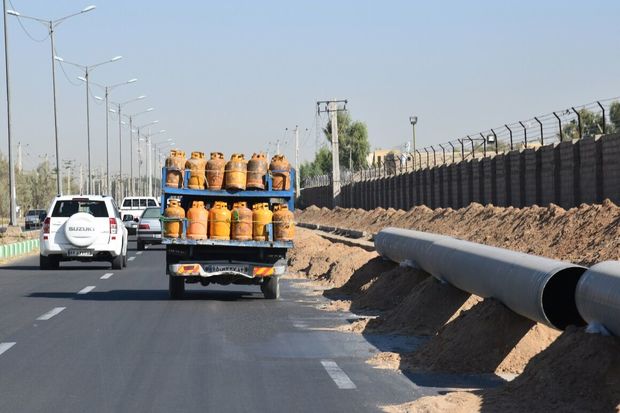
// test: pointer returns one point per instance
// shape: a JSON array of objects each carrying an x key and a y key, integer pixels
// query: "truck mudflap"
[{"x": 212, "y": 269}]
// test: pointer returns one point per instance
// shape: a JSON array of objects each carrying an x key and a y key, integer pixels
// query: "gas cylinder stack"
[{"x": 240, "y": 200}]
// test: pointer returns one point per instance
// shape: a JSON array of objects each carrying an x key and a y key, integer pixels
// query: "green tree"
[
  {"x": 352, "y": 139},
  {"x": 591, "y": 124},
  {"x": 321, "y": 165},
  {"x": 353, "y": 145}
]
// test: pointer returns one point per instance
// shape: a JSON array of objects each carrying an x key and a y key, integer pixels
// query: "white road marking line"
[
  {"x": 86, "y": 290},
  {"x": 51, "y": 313},
  {"x": 5, "y": 346},
  {"x": 107, "y": 275},
  {"x": 338, "y": 376},
  {"x": 131, "y": 258},
  {"x": 139, "y": 253}
]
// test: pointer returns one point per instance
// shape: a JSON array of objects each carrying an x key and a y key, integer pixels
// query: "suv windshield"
[
  {"x": 151, "y": 213},
  {"x": 65, "y": 209}
]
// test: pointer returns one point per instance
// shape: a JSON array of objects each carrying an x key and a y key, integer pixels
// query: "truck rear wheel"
[
  {"x": 176, "y": 287},
  {"x": 271, "y": 288}
]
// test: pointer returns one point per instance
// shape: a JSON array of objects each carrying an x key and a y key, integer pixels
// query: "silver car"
[{"x": 149, "y": 228}]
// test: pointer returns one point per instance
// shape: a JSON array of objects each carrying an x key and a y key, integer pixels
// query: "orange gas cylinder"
[
  {"x": 175, "y": 164},
  {"x": 241, "y": 222},
  {"x": 261, "y": 215},
  {"x": 173, "y": 228},
  {"x": 197, "y": 221},
  {"x": 284, "y": 223},
  {"x": 196, "y": 164},
  {"x": 219, "y": 221},
  {"x": 236, "y": 170},
  {"x": 215, "y": 171},
  {"x": 257, "y": 169},
  {"x": 280, "y": 173}
]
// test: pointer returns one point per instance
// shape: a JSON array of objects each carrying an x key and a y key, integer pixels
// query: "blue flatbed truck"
[{"x": 209, "y": 261}]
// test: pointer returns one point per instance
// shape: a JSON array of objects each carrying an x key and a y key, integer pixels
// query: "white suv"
[{"x": 83, "y": 228}]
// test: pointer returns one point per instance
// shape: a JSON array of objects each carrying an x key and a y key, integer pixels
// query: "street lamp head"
[
  {"x": 58, "y": 58},
  {"x": 89, "y": 8},
  {"x": 98, "y": 98},
  {"x": 150, "y": 110},
  {"x": 132, "y": 80},
  {"x": 82, "y": 78},
  {"x": 115, "y": 58},
  {"x": 112, "y": 111},
  {"x": 162, "y": 131},
  {"x": 141, "y": 97},
  {"x": 13, "y": 13},
  {"x": 413, "y": 119}
]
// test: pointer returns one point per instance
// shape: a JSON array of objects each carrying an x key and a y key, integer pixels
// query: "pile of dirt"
[
  {"x": 425, "y": 309},
  {"x": 389, "y": 288},
  {"x": 487, "y": 338},
  {"x": 586, "y": 234},
  {"x": 327, "y": 262},
  {"x": 578, "y": 372}
]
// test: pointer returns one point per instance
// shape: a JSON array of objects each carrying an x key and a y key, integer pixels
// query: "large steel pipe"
[
  {"x": 538, "y": 288},
  {"x": 598, "y": 296}
]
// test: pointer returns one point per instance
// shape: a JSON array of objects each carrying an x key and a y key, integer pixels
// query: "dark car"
[{"x": 34, "y": 218}]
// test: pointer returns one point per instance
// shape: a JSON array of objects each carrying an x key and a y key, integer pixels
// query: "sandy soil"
[
  {"x": 570, "y": 371},
  {"x": 586, "y": 234}
]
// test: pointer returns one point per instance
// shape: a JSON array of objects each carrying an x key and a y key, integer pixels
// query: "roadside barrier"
[{"x": 18, "y": 248}]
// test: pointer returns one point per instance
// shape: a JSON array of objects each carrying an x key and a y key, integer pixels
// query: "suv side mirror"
[{"x": 136, "y": 219}]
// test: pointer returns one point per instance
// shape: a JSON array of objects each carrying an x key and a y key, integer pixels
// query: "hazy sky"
[{"x": 232, "y": 75}]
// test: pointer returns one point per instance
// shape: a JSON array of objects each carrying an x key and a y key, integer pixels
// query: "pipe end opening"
[{"x": 558, "y": 298}]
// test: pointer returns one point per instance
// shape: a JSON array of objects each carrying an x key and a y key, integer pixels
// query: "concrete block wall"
[{"x": 566, "y": 173}]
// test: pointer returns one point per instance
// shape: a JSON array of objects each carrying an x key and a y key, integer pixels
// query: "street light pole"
[
  {"x": 413, "y": 120},
  {"x": 87, "y": 69},
  {"x": 12, "y": 191},
  {"x": 51, "y": 25},
  {"x": 107, "y": 90}
]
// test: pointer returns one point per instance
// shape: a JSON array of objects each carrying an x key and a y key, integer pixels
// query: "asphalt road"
[{"x": 91, "y": 339}]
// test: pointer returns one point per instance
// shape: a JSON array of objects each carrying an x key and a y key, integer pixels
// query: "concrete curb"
[{"x": 18, "y": 248}]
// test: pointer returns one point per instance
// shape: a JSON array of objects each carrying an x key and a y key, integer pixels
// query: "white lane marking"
[
  {"x": 107, "y": 275},
  {"x": 131, "y": 258},
  {"x": 51, "y": 313},
  {"x": 5, "y": 346},
  {"x": 139, "y": 253},
  {"x": 338, "y": 376},
  {"x": 86, "y": 290}
]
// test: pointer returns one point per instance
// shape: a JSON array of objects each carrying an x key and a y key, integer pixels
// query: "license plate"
[
  {"x": 228, "y": 268},
  {"x": 79, "y": 253}
]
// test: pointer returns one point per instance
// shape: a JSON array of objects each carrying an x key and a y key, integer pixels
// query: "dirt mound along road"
[{"x": 585, "y": 235}]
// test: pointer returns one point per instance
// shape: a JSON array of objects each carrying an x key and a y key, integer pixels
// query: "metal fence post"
[
  {"x": 510, "y": 131},
  {"x": 578, "y": 122},
  {"x": 524, "y": 133},
  {"x": 542, "y": 141},
  {"x": 604, "y": 128}
]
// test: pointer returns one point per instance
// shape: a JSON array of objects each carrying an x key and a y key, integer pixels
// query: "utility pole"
[
  {"x": 297, "y": 160},
  {"x": 149, "y": 168},
  {"x": 12, "y": 190},
  {"x": 332, "y": 108},
  {"x": 81, "y": 180}
]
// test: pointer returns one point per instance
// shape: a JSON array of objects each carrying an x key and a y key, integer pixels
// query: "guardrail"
[{"x": 18, "y": 248}]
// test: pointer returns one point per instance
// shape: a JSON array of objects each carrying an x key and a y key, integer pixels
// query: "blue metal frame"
[{"x": 267, "y": 195}]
